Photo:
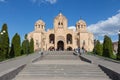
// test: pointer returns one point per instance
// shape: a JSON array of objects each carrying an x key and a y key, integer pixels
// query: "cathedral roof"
[
  {"x": 81, "y": 21},
  {"x": 40, "y": 22},
  {"x": 60, "y": 15}
]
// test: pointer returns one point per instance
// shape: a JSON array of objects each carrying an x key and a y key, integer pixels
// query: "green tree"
[
  {"x": 94, "y": 49},
  {"x": 98, "y": 48},
  {"x": 31, "y": 45},
  {"x": 118, "y": 51},
  {"x": 25, "y": 46},
  {"x": 16, "y": 42},
  {"x": 107, "y": 47},
  {"x": 4, "y": 42},
  {"x": 12, "y": 52}
]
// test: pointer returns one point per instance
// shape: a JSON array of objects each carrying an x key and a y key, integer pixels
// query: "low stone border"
[
  {"x": 113, "y": 75},
  {"x": 85, "y": 59},
  {"x": 11, "y": 74},
  {"x": 18, "y": 64},
  {"x": 38, "y": 58},
  {"x": 8, "y": 60}
]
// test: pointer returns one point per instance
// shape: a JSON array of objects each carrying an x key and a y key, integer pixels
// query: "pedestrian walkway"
[{"x": 61, "y": 66}]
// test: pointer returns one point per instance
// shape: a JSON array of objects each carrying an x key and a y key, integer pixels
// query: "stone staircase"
[{"x": 61, "y": 66}]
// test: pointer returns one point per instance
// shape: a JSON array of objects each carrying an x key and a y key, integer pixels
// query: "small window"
[
  {"x": 36, "y": 42},
  {"x": 39, "y": 26},
  {"x": 78, "y": 26},
  {"x": 83, "y": 42},
  {"x": 42, "y": 26},
  {"x": 59, "y": 23}
]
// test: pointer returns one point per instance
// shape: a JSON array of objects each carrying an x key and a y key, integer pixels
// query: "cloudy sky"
[{"x": 102, "y": 16}]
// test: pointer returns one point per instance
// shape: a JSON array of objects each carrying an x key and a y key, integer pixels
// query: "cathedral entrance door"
[{"x": 60, "y": 45}]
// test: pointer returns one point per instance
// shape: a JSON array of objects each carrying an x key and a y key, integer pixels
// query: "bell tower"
[
  {"x": 60, "y": 22},
  {"x": 39, "y": 25},
  {"x": 81, "y": 26}
]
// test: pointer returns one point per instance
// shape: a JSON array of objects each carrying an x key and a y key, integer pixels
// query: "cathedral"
[{"x": 61, "y": 37}]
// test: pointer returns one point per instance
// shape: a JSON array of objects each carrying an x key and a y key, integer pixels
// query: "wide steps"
[{"x": 61, "y": 66}]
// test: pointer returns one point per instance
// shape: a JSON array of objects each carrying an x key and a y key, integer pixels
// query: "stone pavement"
[
  {"x": 61, "y": 66},
  {"x": 101, "y": 61},
  {"x": 9, "y": 66}
]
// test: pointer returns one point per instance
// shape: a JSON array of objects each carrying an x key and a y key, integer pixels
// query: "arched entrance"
[
  {"x": 60, "y": 45},
  {"x": 69, "y": 49},
  {"x": 51, "y": 48}
]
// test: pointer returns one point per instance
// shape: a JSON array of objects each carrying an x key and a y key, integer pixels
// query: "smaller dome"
[
  {"x": 40, "y": 22},
  {"x": 81, "y": 22}
]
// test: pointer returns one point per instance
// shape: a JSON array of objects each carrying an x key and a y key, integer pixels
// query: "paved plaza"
[{"x": 61, "y": 66}]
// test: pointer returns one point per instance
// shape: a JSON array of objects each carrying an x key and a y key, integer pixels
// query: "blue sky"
[{"x": 101, "y": 16}]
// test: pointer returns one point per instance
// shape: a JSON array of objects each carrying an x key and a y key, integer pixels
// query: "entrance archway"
[
  {"x": 69, "y": 49},
  {"x": 51, "y": 48},
  {"x": 60, "y": 45}
]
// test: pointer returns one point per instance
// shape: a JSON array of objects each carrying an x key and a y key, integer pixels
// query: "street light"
[
  {"x": 119, "y": 32},
  {"x": 1, "y": 37},
  {"x": 119, "y": 35},
  {"x": 3, "y": 32},
  {"x": 118, "y": 50}
]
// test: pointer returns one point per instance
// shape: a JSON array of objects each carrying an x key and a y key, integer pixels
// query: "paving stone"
[{"x": 61, "y": 66}]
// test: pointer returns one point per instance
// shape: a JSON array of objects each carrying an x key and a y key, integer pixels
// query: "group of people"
[{"x": 79, "y": 51}]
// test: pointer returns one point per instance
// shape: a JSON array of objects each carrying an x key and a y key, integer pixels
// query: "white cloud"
[
  {"x": 2, "y": 0},
  {"x": 72, "y": 27},
  {"x": 110, "y": 26},
  {"x": 44, "y": 1},
  {"x": 118, "y": 11},
  {"x": 51, "y": 1}
]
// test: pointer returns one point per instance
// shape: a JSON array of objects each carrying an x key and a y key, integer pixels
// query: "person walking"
[{"x": 79, "y": 51}]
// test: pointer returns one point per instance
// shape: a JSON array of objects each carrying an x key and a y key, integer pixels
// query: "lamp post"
[
  {"x": 1, "y": 38},
  {"x": 119, "y": 35},
  {"x": 119, "y": 40},
  {"x": 118, "y": 50},
  {"x": 1, "y": 34}
]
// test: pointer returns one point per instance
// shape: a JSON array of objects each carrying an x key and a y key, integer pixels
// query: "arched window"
[
  {"x": 69, "y": 39},
  {"x": 69, "y": 49},
  {"x": 42, "y": 26},
  {"x": 78, "y": 26},
  {"x": 59, "y": 23},
  {"x": 51, "y": 48},
  {"x": 51, "y": 38},
  {"x": 81, "y": 26},
  {"x": 38, "y": 26}
]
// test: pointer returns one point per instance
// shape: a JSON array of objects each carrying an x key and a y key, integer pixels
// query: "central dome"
[{"x": 60, "y": 16}]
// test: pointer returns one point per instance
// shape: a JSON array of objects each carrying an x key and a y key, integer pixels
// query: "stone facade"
[
  {"x": 115, "y": 46},
  {"x": 60, "y": 37}
]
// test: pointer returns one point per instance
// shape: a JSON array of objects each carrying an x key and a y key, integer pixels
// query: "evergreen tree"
[
  {"x": 31, "y": 45},
  {"x": 16, "y": 42},
  {"x": 98, "y": 48},
  {"x": 118, "y": 51},
  {"x": 12, "y": 52},
  {"x": 107, "y": 47},
  {"x": 4, "y": 42},
  {"x": 25, "y": 46},
  {"x": 2, "y": 55}
]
